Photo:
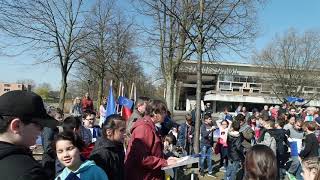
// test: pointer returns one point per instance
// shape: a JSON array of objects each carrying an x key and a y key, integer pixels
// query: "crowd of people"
[{"x": 263, "y": 145}]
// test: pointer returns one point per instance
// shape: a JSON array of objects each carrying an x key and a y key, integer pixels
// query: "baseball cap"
[{"x": 27, "y": 105}]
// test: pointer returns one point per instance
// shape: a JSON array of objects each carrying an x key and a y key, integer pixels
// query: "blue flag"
[
  {"x": 111, "y": 105},
  {"x": 294, "y": 99},
  {"x": 123, "y": 101}
]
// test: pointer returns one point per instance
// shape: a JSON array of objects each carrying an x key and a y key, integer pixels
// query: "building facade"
[
  {"x": 228, "y": 84},
  {"x": 6, "y": 87}
]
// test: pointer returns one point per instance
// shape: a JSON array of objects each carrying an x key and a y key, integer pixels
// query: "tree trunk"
[
  {"x": 63, "y": 90},
  {"x": 200, "y": 46},
  {"x": 169, "y": 92},
  {"x": 100, "y": 90},
  {"x": 198, "y": 104}
]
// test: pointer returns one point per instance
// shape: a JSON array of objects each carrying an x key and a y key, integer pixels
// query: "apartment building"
[{"x": 6, "y": 87}]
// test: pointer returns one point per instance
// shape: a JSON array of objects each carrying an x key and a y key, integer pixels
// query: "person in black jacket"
[
  {"x": 311, "y": 144},
  {"x": 206, "y": 144},
  {"x": 108, "y": 152},
  {"x": 22, "y": 116},
  {"x": 282, "y": 144},
  {"x": 47, "y": 135},
  {"x": 235, "y": 151}
]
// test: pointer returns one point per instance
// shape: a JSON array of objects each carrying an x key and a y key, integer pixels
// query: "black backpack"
[{"x": 281, "y": 140}]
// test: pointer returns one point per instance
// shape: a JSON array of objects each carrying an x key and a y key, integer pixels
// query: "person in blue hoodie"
[{"x": 68, "y": 146}]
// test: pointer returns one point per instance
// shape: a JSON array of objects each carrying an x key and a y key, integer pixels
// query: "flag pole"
[
  {"x": 135, "y": 93},
  {"x": 119, "y": 93},
  {"x": 122, "y": 93},
  {"x": 131, "y": 90}
]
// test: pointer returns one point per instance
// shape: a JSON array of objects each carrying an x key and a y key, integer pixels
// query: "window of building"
[
  {"x": 19, "y": 86},
  {"x": 6, "y": 90},
  {"x": 6, "y": 85}
]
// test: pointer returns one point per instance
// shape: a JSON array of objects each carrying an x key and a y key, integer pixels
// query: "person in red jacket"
[
  {"x": 145, "y": 158},
  {"x": 87, "y": 104}
]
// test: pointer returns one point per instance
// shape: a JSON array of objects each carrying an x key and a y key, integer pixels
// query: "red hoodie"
[
  {"x": 87, "y": 105},
  {"x": 144, "y": 158}
]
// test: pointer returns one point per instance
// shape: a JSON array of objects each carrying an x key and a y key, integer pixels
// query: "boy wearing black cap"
[{"x": 22, "y": 117}]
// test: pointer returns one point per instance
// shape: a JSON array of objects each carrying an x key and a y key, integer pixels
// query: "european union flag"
[
  {"x": 294, "y": 99},
  {"x": 123, "y": 101},
  {"x": 111, "y": 105}
]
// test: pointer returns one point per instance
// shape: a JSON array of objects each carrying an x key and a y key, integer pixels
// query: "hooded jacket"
[
  {"x": 87, "y": 170},
  {"x": 109, "y": 156},
  {"x": 235, "y": 148},
  {"x": 248, "y": 135},
  {"x": 17, "y": 163},
  {"x": 144, "y": 158},
  {"x": 87, "y": 105}
]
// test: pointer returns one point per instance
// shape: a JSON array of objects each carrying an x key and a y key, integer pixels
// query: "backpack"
[{"x": 280, "y": 138}]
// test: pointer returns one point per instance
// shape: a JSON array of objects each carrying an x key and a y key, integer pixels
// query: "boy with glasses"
[{"x": 89, "y": 119}]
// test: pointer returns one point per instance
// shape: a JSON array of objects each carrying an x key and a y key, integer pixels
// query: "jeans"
[
  {"x": 296, "y": 168},
  {"x": 232, "y": 169},
  {"x": 224, "y": 157},
  {"x": 206, "y": 153}
]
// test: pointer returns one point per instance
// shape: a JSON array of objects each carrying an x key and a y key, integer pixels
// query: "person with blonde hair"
[
  {"x": 310, "y": 114},
  {"x": 76, "y": 109},
  {"x": 102, "y": 111}
]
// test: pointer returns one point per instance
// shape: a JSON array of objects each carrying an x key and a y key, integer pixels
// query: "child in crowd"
[
  {"x": 260, "y": 163},
  {"x": 68, "y": 146},
  {"x": 310, "y": 142},
  {"x": 266, "y": 138},
  {"x": 235, "y": 151},
  {"x": 73, "y": 124},
  {"x": 108, "y": 152},
  {"x": 224, "y": 126},
  {"x": 174, "y": 131},
  {"x": 76, "y": 109},
  {"x": 185, "y": 135},
  {"x": 102, "y": 111},
  {"x": 259, "y": 126},
  {"x": 282, "y": 144},
  {"x": 88, "y": 122},
  {"x": 169, "y": 146},
  {"x": 206, "y": 144}
]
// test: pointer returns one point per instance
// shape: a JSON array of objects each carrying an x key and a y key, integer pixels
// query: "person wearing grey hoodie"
[{"x": 246, "y": 131}]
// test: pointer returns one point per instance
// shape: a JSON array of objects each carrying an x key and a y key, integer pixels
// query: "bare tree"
[
  {"x": 168, "y": 38},
  {"x": 292, "y": 62},
  {"x": 109, "y": 48},
  {"x": 96, "y": 62},
  {"x": 216, "y": 25},
  {"x": 53, "y": 26}
]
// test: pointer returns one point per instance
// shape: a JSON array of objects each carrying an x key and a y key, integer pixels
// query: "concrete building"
[
  {"x": 6, "y": 87},
  {"x": 227, "y": 84}
]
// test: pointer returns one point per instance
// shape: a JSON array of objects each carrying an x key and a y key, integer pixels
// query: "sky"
[{"x": 275, "y": 17}]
